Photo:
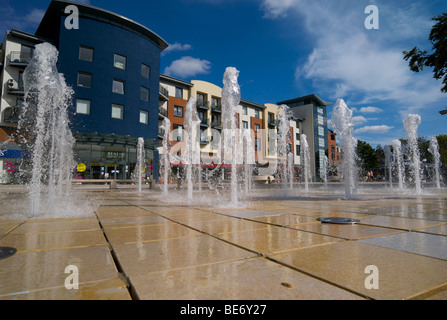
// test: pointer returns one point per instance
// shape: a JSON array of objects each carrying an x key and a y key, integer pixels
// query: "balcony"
[
  {"x": 205, "y": 105},
  {"x": 272, "y": 122},
  {"x": 19, "y": 59},
  {"x": 161, "y": 133},
  {"x": 11, "y": 114},
  {"x": 216, "y": 108},
  {"x": 204, "y": 123},
  {"x": 216, "y": 125},
  {"x": 163, "y": 93},
  {"x": 163, "y": 112},
  {"x": 15, "y": 88}
]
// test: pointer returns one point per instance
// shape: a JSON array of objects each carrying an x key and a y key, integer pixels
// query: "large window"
[
  {"x": 86, "y": 53},
  {"x": 177, "y": 132},
  {"x": 118, "y": 86},
  {"x": 145, "y": 71},
  {"x": 82, "y": 106},
  {"x": 178, "y": 111},
  {"x": 244, "y": 124},
  {"x": 256, "y": 113},
  {"x": 119, "y": 61},
  {"x": 144, "y": 94},
  {"x": 85, "y": 79},
  {"x": 117, "y": 111},
  {"x": 144, "y": 117}
]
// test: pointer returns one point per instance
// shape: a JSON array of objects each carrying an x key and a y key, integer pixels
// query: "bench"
[{"x": 266, "y": 179}]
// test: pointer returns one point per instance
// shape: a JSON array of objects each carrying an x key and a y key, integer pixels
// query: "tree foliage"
[{"x": 437, "y": 59}]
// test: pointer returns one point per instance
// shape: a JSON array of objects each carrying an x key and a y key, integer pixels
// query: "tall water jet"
[
  {"x": 283, "y": 116},
  {"x": 166, "y": 166},
  {"x": 246, "y": 157},
  {"x": 192, "y": 146},
  {"x": 388, "y": 163},
  {"x": 325, "y": 170},
  {"x": 231, "y": 96},
  {"x": 434, "y": 150},
  {"x": 343, "y": 126},
  {"x": 305, "y": 160},
  {"x": 290, "y": 169},
  {"x": 45, "y": 124},
  {"x": 140, "y": 162},
  {"x": 411, "y": 126},
  {"x": 399, "y": 162}
]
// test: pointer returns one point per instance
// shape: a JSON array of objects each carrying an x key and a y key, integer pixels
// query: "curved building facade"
[{"x": 113, "y": 65}]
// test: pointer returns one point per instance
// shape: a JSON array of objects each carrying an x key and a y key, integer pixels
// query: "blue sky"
[{"x": 289, "y": 48}]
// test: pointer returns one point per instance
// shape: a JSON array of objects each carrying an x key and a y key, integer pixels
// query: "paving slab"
[
  {"x": 162, "y": 255},
  {"x": 275, "y": 239},
  {"x": 441, "y": 230},
  {"x": 401, "y": 275},
  {"x": 399, "y": 222},
  {"x": 29, "y": 271},
  {"x": 421, "y": 243},
  {"x": 248, "y": 279}
]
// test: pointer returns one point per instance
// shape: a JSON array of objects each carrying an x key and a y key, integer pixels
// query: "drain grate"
[
  {"x": 6, "y": 252},
  {"x": 338, "y": 220}
]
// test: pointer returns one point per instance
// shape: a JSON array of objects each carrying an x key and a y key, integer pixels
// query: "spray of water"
[
  {"x": 305, "y": 160},
  {"x": 411, "y": 126},
  {"x": 398, "y": 162},
  {"x": 45, "y": 124},
  {"x": 434, "y": 150}
]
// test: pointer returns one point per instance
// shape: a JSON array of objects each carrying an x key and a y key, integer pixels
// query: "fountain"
[
  {"x": 411, "y": 125},
  {"x": 231, "y": 96},
  {"x": 166, "y": 168},
  {"x": 342, "y": 122},
  {"x": 325, "y": 171},
  {"x": 399, "y": 162},
  {"x": 283, "y": 116},
  {"x": 290, "y": 169},
  {"x": 434, "y": 150},
  {"x": 140, "y": 162},
  {"x": 305, "y": 158},
  {"x": 44, "y": 124},
  {"x": 388, "y": 163},
  {"x": 192, "y": 148}
]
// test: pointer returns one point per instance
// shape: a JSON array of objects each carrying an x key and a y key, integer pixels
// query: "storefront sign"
[
  {"x": 81, "y": 167},
  {"x": 10, "y": 154}
]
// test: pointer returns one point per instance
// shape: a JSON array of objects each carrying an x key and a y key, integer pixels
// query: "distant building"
[
  {"x": 312, "y": 109},
  {"x": 333, "y": 148}
]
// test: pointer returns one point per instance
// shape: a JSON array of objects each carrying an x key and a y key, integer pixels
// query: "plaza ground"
[{"x": 143, "y": 246}]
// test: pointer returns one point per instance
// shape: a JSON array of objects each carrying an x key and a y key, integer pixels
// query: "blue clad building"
[{"x": 113, "y": 65}]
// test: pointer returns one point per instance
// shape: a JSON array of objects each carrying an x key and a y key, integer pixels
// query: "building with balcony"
[{"x": 16, "y": 51}]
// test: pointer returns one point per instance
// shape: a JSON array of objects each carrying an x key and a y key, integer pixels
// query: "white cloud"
[
  {"x": 365, "y": 66},
  {"x": 176, "y": 46},
  {"x": 188, "y": 67},
  {"x": 374, "y": 129},
  {"x": 34, "y": 17},
  {"x": 370, "y": 109},
  {"x": 357, "y": 120}
]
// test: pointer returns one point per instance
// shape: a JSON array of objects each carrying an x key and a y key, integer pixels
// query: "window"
[
  {"x": 201, "y": 100},
  {"x": 84, "y": 80},
  {"x": 145, "y": 71},
  {"x": 321, "y": 142},
  {"x": 178, "y": 132},
  {"x": 118, "y": 86},
  {"x": 86, "y": 53},
  {"x": 320, "y": 110},
  {"x": 117, "y": 111},
  {"x": 244, "y": 124},
  {"x": 320, "y": 131},
  {"x": 119, "y": 61},
  {"x": 244, "y": 111},
  {"x": 82, "y": 106},
  {"x": 297, "y": 137},
  {"x": 178, "y": 111},
  {"x": 144, "y": 117},
  {"x": 144, "y": 94},
  {"x": 297, "y": 149},
  {"x": 320, "y": 120},
  {"x": 257, "y": 127},
  {"x": 256, "y": 113},
  {"x": 178, "y": 92}
]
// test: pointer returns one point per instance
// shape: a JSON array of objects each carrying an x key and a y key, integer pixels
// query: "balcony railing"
[
  {"x": 216, "y": 124},
  {"x": 203, "y": 104},
  {"x": 161, "y": 132},
  {"x": 216, "y": 108},
  {"x": 15, "y": 88},
  {"x": 204, "y": 122},
  {"x": 164, "y": 91},
  {"x": 272, "y": 122},
  {"x": 163, "y": 111},
  {"x": 19, "y": 58},
  {"x": 11, "y": 114}
]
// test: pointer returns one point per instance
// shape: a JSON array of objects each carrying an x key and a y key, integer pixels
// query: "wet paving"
[{"x": 142, "y": 246}]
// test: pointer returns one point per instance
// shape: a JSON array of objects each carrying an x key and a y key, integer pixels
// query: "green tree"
[
  {"x": 437, "y": 59},
  {"x": 367, "y": 156}
]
